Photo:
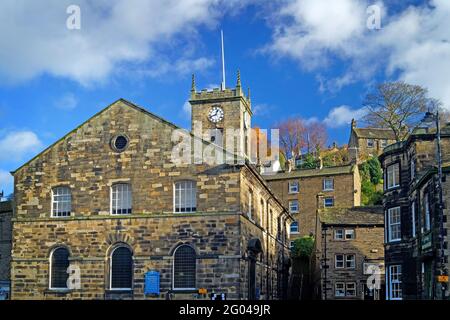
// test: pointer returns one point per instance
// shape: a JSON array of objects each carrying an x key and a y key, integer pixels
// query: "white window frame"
[
  {"x": 348, "y": 232},
  {"x": 413, "y": 218},
  {"x": 391, "y": 182},
  {"x": 250, "y": 206},
  {"x": 395, "y": 284},
  {"x": 60, "y": 203},
  {"x": 390, "y": 224},
  {"x": 342, "y": 289},
  {"x": 298, "y": 228},
  {"x": 336, "y": 234},
  {"x": 413, "y": 168},
  {"x": 352, "y": 261},
  {"x": 336, "y": 261},
  {"x": 383, "y": 143},
  {"x": 325, "y": 202},
  {"x": 290, "y": 206},
  {"x": 187, "y": 190},
  {"x": 347, "y": 284},
  {"x": 427, "y": 221},
  {"x": 127, "y": 200},
  {"x": 324, "y": 184},
  {"x": 110, "y": 270},
  {"x": 293, "y": 187},
  {"x": 370, "y": 145}
]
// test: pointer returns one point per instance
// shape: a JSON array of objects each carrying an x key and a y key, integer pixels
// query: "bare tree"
[
  {"x": 292, "y": 133},
  {"x": 398, "y": 106},
  {"x": 315, "y": 137}
]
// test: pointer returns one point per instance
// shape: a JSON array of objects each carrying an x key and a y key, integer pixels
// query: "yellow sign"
[
  {"x": 442, "y": 278},
  {"x": 202, "y": 291}
]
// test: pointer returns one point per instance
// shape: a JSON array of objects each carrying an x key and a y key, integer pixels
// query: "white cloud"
[
  {"x": 15, "y": 145},
  {"x": 67, "y": 102},
  {"x": 342, "y": 116},
  {"x": 6, "y": 182},
  {"x": 35, "y": 39},
  {"x": 413, "y": 45}
]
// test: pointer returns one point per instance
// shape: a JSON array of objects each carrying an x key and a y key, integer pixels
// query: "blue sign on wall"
[{"x": 151, "y": 282}]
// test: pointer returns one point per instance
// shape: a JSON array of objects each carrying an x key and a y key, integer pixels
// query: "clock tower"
[{"x": 221, "y": 112}]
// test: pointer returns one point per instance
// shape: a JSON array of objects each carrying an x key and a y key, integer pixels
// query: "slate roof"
[
  {"x": 369, "y": 215},
  {"x": 5, "y": 206},
  {"x": 374, "y": 133},
  {"x": 305, "y": 173}
]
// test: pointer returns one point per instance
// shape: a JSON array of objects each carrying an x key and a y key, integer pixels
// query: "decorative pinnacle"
[
  {"x": 248, "y": 94},
  {"x": 238, "y": 78},
  {"x": 193, "y": 83}
]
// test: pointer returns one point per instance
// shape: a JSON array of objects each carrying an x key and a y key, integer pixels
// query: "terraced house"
[
  {"x": 299, "y": 191},
  {"x": 417, "y": 215},
  {"x": 107, "y": 204}
]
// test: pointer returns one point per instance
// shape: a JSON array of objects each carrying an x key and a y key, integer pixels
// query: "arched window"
[
  {"x": 121, "y": 272},
  {"x": 59, "y": 262},
  {"x": 184, "y": 268},
  {"x": 61, "y": 202},
  {"x": 121, "y": 198},
  {"x": 185, "y": 196},
  {"x": 294, "y": 227}
]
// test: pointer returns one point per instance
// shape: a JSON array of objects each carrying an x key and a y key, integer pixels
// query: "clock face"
[{"x": 215, "y": 114}]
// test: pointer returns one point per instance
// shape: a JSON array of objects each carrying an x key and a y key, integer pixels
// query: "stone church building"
[{"x": 105, "y": 213}]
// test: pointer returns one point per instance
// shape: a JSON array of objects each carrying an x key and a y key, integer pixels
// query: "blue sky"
[{"x": 310, "y": 58}]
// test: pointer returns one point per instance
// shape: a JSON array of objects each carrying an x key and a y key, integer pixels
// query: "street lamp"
[{"x": 429, "y": 119}]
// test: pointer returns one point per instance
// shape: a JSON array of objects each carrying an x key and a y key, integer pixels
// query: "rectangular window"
[
  {"x": 250, "y": 205},
  {"x": 293, "y": 206},
  {"x": 328, "y": 184},
  {"x": 294, "y": 227},
  {"x": 349, "y": 234},
  {"x": 328, "y": 202},
  {"x": 370, "y": 143},
  {"x": 413, "y": 169},
  {"x": 350, "y": 261},
  {"x": 339, "y": 234},
  {"x": 185, "y": 196},
  {"x": 121, "y": 199},
  {"x": 339, "y": 261},
  {"x": 393, "y": 176},
  {"x": 291, "y": 244},
  {"x": 350, "y": 289},
  {"x": 427, "y": 213},
  {"x": 394, "y": 224},
  {"x": 413, "y": 219},
  {"x": 61, "y": 202},
  {"x": 293, "y": 187},
  {"x": 395, "y": 282},
  {"x": 383, "y": 143},
  {"x": 339, "y": 289}
]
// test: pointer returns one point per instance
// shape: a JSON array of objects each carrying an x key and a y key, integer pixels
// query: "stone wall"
[
  {"x": 344, "y": 196},
  {"x": 85, "y": 162},
  {"x": 368, "y": 246}
]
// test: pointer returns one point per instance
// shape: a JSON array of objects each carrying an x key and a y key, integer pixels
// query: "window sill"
[
  {"x": 59, "y": 291},
  {"x": 328, "y": 190},
  {"x": 119, "y": 290}
]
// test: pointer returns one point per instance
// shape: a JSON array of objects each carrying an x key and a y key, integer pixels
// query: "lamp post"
[{"x": 429, "y": 118}]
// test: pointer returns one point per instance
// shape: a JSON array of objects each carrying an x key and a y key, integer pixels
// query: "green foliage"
[
  {"x": 309, "y": 162},
  {"x": 303, "y": 247},
  {"x": 336, "y": 158},
  {"x": 371, "y": 169},
  {"x": 371, "y": 178}
]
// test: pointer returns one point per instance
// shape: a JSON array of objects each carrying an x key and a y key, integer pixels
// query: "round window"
[{"x": 120, "y": 143}]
